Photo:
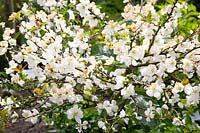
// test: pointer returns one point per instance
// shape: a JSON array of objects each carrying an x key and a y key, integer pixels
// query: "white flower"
[
  {"x": 46, "y": 2},
  {"x": 118, "y": 72},
  {"x": 110, "y": 108},
  {"x": 26, "y": 113},
  {"x": 82, "y": 126},
  {"x": 7, "y": 33},
  {"x": 12, "y": 42},
  {"x": 2, "y": 24},
  {"x": 30, "y": 116},
  {"x": 25, "y": 7},
  {"x": 166, "y": 9},
  {"x": 188, "y": 89},
  {"x": 14, "y": 117},
  {"x": 180, "y": 105},
  {"x": 128, "y": 91},
  {"x": 71, "y": 15},
  {"x": 73, "y": 2},
  {"x": 16, "y": 79},
  {"x": 56, "y": 99},
  {"x": 9, "y": 101},
  {"x": 76, "y": 43},
  {"x": 198, "y": 70},
  {"x": 174, "y": 99},
  {"x": 119, "y": 80},
  {"x": 122, "y": 114},
  {"x": 152, "y": 1},
  {"x": 32, "y": 46},
  {"x": 195, "y": 116},
  {"x": 178, "y": 88},
  {"x": 34, "y": 113},
  {"x": 3, "y": 47},
  {"x": 83, "y": 8},
  {"x": 101, "y": 124},
  {"x": 109, "y": 61},
  {"x": 177, "y": 121},
  {"x": 137, "y": 116},
  {"x": 66, "y": 92},
  {"x": 58, "y": 95},
  {"x": 85, "y": 124},
  {"x": 154, "y": 90},
  {"x": 125, "y": 1},
  {"x": 187, "y": 65},
  {"x": 193, "y": 98},
  {"x": 2, "y": 102},
  {"x": 170, "y": 64},
  {"x": 93, "y": 22},
  {"x": 149, "y": 114},
  {"x": 138, "y": 52},
  {"x": 148, "y": 72},
  {"x": 75, "y": 113},
  {"x": 158, "y": 110}
]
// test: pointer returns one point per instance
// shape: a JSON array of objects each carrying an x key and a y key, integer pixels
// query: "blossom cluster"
[{"x": 144, "y": 69}]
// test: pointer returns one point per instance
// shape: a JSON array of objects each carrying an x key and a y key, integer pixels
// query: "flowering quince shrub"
[{"x": 82, "y": 72}]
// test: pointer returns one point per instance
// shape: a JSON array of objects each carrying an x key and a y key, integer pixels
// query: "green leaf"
[
  {"x": 17, "y": 34},
  {"x": 199, "y": 38},
  {"x": 42, "y": 33}
]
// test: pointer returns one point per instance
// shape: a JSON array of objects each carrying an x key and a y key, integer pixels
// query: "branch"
[
  {"x": 131, "y": 67},
  {"x": 160, "y": 26},
  {"x": 173, "y": 77},
  {"x": 185, "y": 39}
]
